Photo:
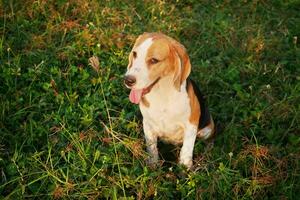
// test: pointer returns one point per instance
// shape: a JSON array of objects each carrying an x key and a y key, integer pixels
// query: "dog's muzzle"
[{"x": 129, "y": 80}]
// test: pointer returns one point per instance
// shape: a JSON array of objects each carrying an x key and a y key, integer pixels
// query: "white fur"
[
  {"x": 167, "y": 118},
  {"x": 139, "y": 66}
]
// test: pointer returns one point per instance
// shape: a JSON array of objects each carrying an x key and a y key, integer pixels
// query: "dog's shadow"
[{"x": 168, "y": 153}]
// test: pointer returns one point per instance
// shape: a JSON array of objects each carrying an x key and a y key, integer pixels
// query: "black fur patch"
[{"x": 205, "y": 115}]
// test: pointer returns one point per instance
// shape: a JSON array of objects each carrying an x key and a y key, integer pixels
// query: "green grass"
[{"x": 68, "y": 131}]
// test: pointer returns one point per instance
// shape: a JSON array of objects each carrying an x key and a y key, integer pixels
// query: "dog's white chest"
[{"x": 167, "y": 115}]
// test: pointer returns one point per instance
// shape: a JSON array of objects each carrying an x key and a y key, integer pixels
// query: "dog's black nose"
[{"x": 129, "y": 80}]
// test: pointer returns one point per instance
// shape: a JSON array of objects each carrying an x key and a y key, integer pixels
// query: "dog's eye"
[
  {"x": 134, "y": 54},
  {"x": 153, "y": 61}
]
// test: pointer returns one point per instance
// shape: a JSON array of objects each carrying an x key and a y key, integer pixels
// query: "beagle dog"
[{"x": 172, "y": 106}]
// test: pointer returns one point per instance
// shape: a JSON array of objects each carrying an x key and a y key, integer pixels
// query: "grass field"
[{"x": 68, "y": 130}]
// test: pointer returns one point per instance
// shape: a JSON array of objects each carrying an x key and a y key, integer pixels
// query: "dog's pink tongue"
[{"x": 135, "y": 96}]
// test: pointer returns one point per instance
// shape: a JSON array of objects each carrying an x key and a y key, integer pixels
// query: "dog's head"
[{"x": 154, "y": 56}]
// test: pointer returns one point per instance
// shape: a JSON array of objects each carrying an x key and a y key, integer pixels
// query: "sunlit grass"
[{"x": 68, "y": 131}]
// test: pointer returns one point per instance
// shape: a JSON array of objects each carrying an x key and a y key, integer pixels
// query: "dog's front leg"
[
  {"x": 186, "y": 153},
  {"x": 151, "y": 143}
]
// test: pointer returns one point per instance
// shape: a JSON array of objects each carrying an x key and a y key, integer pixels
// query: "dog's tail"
[{"x": 208, "y": 131}]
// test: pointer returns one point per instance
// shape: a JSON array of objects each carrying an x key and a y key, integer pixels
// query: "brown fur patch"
[
  {"x": 195, "y": 105},
  {"x": 130, "y": 57},
  {"x": 145, "y": 102},
  {"x": 160, "y": 50}
]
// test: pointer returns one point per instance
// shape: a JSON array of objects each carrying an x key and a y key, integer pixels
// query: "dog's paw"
[
  {"x": 152, "y": 162},
  {"x": 188, "y": 162}
]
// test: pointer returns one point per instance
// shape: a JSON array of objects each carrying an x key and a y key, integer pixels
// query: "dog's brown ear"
[{"x": 182, "y": 64}]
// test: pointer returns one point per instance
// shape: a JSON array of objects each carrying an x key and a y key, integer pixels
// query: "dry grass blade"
[{"x": 94, "y": 62}]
